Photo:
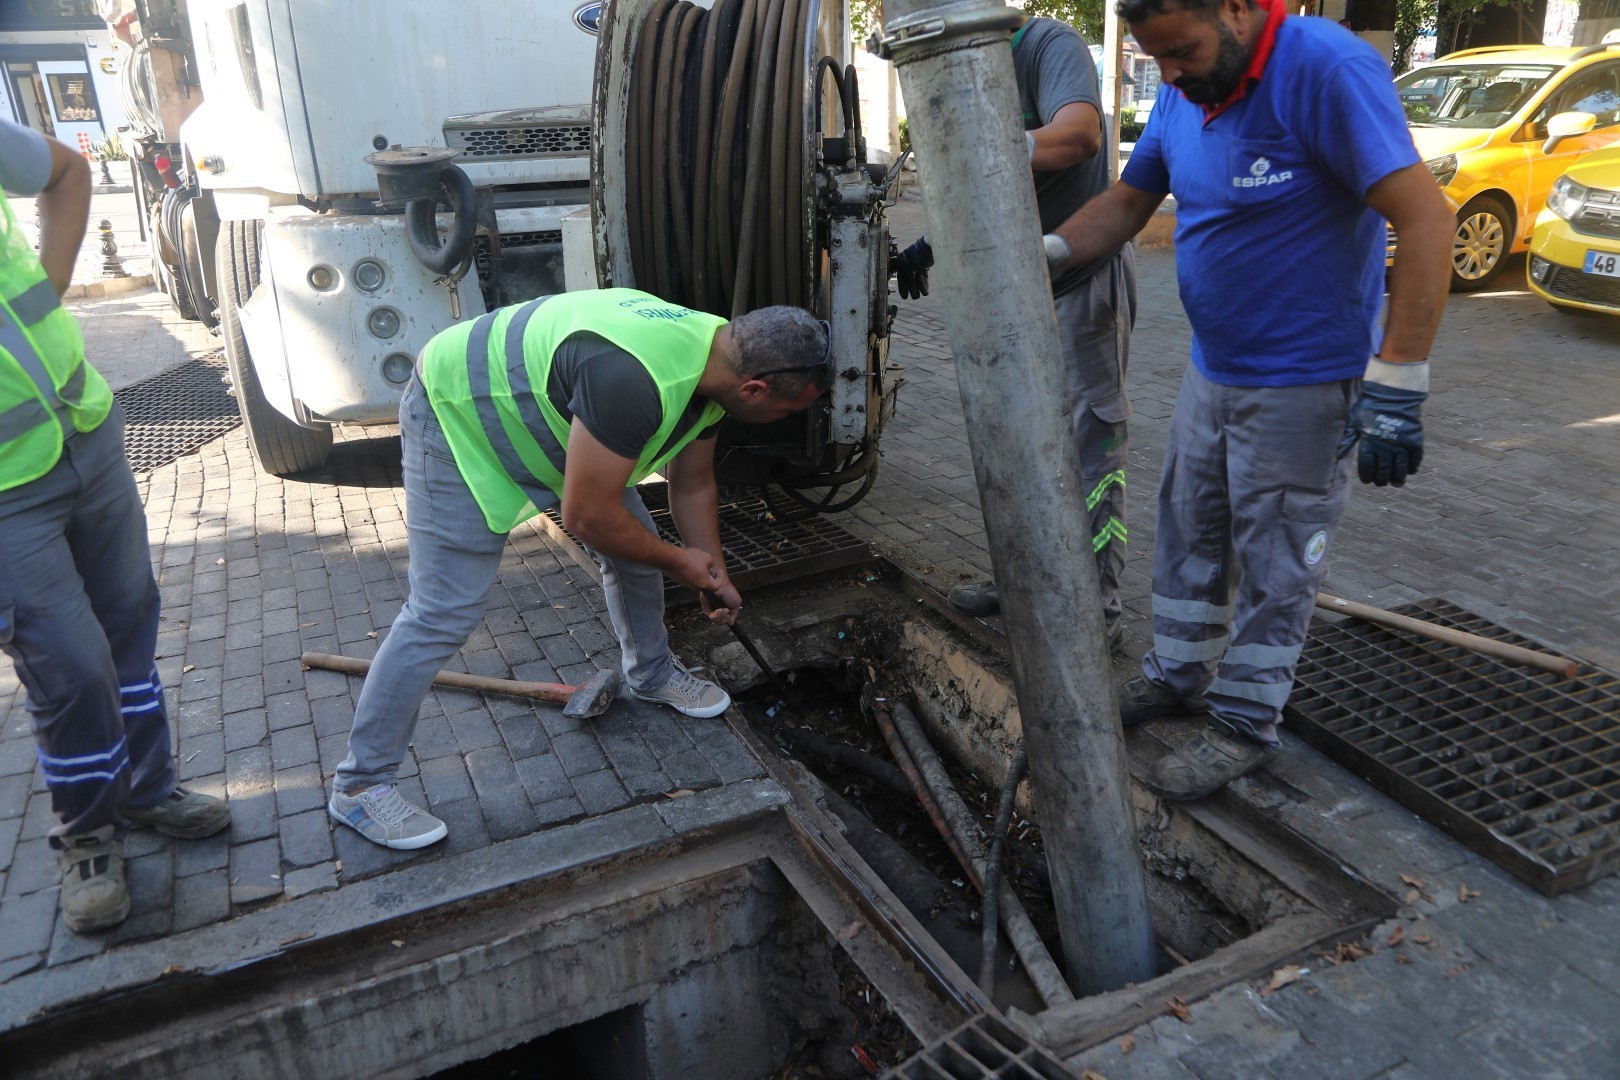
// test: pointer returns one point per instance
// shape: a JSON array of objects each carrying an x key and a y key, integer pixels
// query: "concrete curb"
[{"x": 99, "y": 290}]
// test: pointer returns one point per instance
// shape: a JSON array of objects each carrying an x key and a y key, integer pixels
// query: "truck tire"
[{"x": 280, "y": 446}]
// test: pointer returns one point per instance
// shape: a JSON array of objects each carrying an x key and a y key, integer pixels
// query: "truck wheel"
[{"x": 280, "y": 446}]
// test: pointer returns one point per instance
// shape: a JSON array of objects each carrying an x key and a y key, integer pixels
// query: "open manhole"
[
  {"x": 1523, "y": 766},
  {"x": 172, "y": 414},
  {"x": 761, "y": 549}
]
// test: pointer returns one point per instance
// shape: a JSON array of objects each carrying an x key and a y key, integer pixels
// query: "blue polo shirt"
[{"x": 1279, "y": 260}]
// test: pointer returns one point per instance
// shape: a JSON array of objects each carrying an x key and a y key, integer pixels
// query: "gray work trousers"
[
  {"x": 454, "y": 560},
  {"x": 79, "y": 619},
  {"x": 1094, "y": 329},
  {"x": 1251, "y": 496}
]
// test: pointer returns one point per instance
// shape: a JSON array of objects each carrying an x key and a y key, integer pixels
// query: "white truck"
[{"x": 378, "y": 171}]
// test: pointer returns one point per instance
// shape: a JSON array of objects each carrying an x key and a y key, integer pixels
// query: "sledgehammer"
[{"x": 590, "y": 698}]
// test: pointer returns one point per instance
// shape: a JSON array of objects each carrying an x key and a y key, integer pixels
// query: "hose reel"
[{"x": 724, "y": 178}]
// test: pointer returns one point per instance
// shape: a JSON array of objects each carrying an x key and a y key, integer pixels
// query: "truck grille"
[
  {"x": 1600, "y": 214},
  {"x": 1568, "y": 283},
  {"x": 520, "y": 141}
]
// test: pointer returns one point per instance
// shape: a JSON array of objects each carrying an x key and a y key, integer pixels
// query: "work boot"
[
  {"x": 1214, "y": 758},
  {"x": 1143, "y": 699},
  {"x": 381, "y": 815},
  {"x": 686, "y": 693},
  {"x": 979, "y": 599},
  {"x": 184, "y": 813},
  {"x": 94, "y": 896}
]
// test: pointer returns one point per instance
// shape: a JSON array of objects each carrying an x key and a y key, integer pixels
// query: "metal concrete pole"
[{"x": 957, "y": 74}]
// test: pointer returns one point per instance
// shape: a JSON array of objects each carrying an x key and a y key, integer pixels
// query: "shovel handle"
[
  {"x": 540, "y": 691},
  {"x": 1502, "y": 650}
]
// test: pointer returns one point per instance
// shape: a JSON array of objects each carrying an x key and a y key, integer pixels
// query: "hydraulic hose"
[
  {"x": 720, "y": 216},
  {"x": 992, "y": 872},
  {"x": 422, "y": 228}
]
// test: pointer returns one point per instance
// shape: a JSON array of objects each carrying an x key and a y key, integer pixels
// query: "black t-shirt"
[{"x": 612, "y": 395}]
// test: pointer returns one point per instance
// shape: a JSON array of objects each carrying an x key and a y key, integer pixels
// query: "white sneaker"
[
  {"x": 380, "y": 815},
  {"x": 686, "y": 693}
]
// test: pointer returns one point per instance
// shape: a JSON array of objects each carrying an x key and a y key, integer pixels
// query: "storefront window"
[{"x": 75, "y": 104}]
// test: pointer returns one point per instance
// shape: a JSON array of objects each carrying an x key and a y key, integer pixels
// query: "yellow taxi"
[
  {"x": 1575, "y": 250},
  {"x": 1483, "y": 121}
]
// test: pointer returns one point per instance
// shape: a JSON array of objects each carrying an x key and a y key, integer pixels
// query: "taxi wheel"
[{"x": 1480, "y": 245}]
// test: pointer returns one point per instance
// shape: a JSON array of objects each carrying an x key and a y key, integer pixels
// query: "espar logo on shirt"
[{"x": 1260, "y": 175}]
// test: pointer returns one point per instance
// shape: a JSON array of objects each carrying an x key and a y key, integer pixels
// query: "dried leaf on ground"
[
  {"x": 371, "y": 633},
  {"x": 678, "y": 793},
  {"x": 1464, "y": 892},
  {"x": 1091, "y": 1074},
  {"x": 1422, "y": 939},
  {"x": 1403, "y": 958},
  {"x": 1179, "y": 1010},
  {"x": 1396, "y": 935},
  {"x": 188, "y": 667},
  {"x": 1127, "y": 1044},
  {"x": 851, "y": 930},
  {"x": 1452, "y": 973},
  {"x": 1347, "y": 952},
  {"x": 1418, "y": 886},
  {"x": 1286, "y": 975}
]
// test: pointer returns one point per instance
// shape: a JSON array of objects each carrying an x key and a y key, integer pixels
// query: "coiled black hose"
[{"x": 720, "y": 215}]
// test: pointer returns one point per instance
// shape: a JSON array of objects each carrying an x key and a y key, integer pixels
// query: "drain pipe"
[
  {"x": 956, "y": 71},
  {"x": 1026, "y": 941}
]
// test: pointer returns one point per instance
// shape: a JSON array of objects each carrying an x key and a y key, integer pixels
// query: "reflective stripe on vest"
[
  {"x": 487, "y": 382},
  {"x": 40, "y": 346}
]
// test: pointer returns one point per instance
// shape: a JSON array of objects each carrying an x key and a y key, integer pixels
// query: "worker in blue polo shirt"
[{"x": 1286, "y": 149}]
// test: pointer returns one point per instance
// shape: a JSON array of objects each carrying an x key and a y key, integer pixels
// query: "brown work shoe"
[
  {"x": 186, "y": 814},
  {"x": 1214, "y": 758},
  {"x": 1143, "y": 699},
  {"x": 94, "y": 896}
]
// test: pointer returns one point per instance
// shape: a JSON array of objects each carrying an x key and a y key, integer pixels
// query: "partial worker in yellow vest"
[
  {"x": 78, "y": 603},
  {"x": 566, "y": 400}
]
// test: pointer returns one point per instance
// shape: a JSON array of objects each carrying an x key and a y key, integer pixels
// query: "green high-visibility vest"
[
  {"x": 486, "y": 380},
  {"x": 47, "y": 390}
]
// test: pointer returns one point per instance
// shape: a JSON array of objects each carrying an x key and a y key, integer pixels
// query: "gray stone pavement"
[
  {"x": 120, "y": 209},
  {"x": 1511, "y": 517}
]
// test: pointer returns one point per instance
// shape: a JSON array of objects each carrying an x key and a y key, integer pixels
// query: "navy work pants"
[{"x": 79, "y": 619}]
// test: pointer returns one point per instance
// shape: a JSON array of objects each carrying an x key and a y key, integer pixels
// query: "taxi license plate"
[{"x": 1602, "y": 263}]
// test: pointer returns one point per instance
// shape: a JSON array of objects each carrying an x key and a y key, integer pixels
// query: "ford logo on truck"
[{"x": 588, "y": 18}]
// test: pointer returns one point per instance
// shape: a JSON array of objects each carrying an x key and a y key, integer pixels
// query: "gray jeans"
[
  {"x": 454, "y": 559},
  {"x": 1094, "y": 328}
]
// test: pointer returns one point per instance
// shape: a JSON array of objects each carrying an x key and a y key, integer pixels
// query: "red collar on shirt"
[{"x": 1276, "y": 12}]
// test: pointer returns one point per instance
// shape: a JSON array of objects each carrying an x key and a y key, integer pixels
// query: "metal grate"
[
  {"x": 520, "y": 141},
  {"x": 1572, "y": 284},
  {"x": 1521, "y": 765},
  {"x": 983, "y": 1047},
  {"x": 759, "y": 550},
  {"x": 173, "y": 414},
  {"x": 510, "y": 242}
]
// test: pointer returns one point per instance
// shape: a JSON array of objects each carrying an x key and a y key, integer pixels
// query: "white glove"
[{"x": 1057, "y": 254}]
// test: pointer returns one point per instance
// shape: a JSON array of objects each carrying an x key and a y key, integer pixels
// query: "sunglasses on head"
[{"x": 820, "y": 365}]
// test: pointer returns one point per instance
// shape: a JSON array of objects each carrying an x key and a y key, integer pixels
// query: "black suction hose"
[
  {"x": 992, "y": 872},
  {"x": 422, "y": 227}
]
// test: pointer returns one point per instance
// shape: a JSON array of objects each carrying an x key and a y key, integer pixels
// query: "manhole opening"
[
  {"x": 1210, "y": 888},
  {"x": 1521, "y": 765}
]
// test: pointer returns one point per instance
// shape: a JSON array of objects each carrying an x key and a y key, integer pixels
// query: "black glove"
[
  {"x": 911, "y": 269},
  {"x": 1386, "y": 420}
]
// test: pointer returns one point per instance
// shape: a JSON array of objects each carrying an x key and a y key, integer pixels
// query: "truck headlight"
[
  {"x": 1443, "y": 169},
  {"x": 1566, "y": 198}
]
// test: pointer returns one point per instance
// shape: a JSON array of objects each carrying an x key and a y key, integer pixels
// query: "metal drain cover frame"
[
  {"x": 1522, "y": 766},
  {"x": 984, "y": 1047},
  {"x": 170, "y": 415},
  {"x": 760, "y": 550}
]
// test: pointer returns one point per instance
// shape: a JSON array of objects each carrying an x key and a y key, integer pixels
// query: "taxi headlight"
[
  {"x": 1566, "y": 198},
  {"x": 1443, "y": 169}
]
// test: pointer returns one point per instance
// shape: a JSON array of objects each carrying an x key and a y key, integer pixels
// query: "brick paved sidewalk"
[{"x": 1513, "y": 516}]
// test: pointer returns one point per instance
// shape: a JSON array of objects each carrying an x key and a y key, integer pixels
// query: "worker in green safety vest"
[
  {"x": 569, "y": 401},
  {"x": 78, "y": 603}
]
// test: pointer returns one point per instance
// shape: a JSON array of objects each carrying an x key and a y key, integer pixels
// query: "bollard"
[
  {"x": 111, "y": 265},
  {"x": 106, "y": 174}
]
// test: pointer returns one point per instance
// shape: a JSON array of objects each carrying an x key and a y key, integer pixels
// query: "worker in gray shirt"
[
  {"x": 78, "y": 603},
  {"x": 1095, "y": 302}
]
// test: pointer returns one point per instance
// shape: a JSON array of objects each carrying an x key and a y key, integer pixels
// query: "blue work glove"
[
  {"x": 911, "y": 269},
  {"x": 1386, "y": 420}
]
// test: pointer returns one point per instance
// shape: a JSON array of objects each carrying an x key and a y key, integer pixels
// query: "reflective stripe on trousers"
[{"x": 1250, "y": 499}]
